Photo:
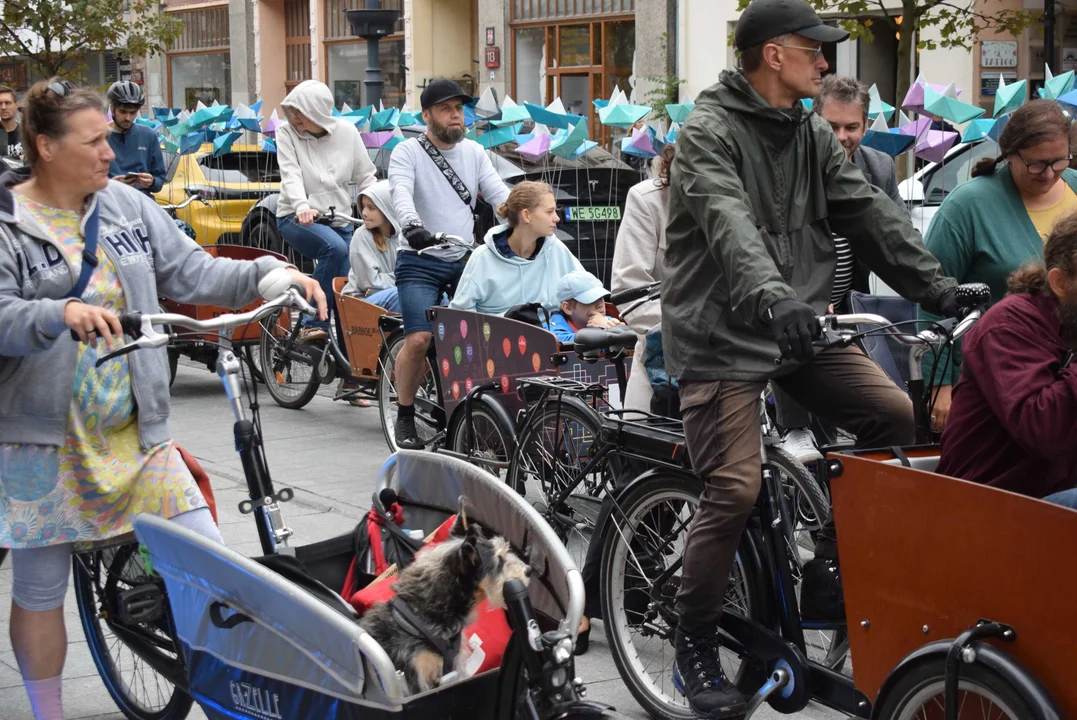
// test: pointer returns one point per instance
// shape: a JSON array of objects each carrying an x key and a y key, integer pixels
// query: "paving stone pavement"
[{"x": 330, "y": 453}]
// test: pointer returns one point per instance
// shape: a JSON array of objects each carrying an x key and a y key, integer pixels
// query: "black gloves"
[
  {"x": 419, "y": 237},
  {"x": 794, "y": 327},
  {"x": 947, "y": 304}
]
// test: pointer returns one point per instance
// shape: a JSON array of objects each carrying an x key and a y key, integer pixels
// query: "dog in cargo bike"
[{"x": 421, "y": 628}]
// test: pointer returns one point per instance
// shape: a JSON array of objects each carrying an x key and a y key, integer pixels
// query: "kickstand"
[{"x": 777, "y": 680}]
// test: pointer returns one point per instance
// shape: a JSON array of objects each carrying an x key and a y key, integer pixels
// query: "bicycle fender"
[
  {"x": 990, "y": 657},
  {"x": 459, "y": 415}
]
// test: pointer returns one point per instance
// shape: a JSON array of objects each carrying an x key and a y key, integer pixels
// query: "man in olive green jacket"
[{"x": 758, "y": 189}]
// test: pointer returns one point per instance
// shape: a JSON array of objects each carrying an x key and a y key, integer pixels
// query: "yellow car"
[{"x": 230, "y": 183}]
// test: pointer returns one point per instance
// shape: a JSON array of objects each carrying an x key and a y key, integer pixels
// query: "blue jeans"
[
  {"x": 1066, "y": 498},
  {"x": 389, "y": 298},
  {"x": 421, "y": 281},
  {"x": 328, "y": 248}
]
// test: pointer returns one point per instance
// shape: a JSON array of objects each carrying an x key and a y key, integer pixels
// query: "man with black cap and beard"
[
  {"x": 758, "y": 190},
  {"x": 435, "y": 180},
  {"x": 1015, "y": 407}
]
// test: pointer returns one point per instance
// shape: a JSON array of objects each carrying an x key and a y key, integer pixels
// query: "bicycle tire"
[
  {"x": 426, "y": 427},
  {"x": 276, "y": 380},
  {"x": 483, "y": 416},
  {"x": 96, "y": 603},
  {"x": 746, "y": 586},
  {"x": 922, "y": 685}
]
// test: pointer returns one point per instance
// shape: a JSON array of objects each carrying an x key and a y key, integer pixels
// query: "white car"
[{"x": 925, "y": 191}]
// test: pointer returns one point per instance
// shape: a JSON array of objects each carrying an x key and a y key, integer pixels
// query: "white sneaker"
[{"x": 801, "y": 445}]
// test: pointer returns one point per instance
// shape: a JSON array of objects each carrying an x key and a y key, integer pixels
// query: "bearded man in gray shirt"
[{"x": 435, "y": 181}]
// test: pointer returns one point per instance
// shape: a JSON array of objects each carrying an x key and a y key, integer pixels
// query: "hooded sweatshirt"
[
  {"x": 315, "y": 171},
  {"x": 756, "y": 196},
  {"x": 492, "y": 283},
  {"x": 152, "y": 258},
  {"x": 371, "y": 268}
]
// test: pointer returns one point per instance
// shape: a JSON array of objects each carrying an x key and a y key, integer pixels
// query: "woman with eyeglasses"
[
  {"x": 85, "y": 449},
  {"x": 999, "y": 220}
]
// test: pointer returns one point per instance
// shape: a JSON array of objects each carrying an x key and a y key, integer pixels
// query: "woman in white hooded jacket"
[
  {"x": 521, "y": 261},
  {"x": 319, "y": 156},
  {"x": 373, "y": 250}
]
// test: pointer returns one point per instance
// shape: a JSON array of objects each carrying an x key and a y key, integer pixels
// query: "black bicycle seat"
[{"x": 591, "y": 340}]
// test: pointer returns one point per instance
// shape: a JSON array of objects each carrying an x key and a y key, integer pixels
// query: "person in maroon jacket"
[{"x": 1014, "y": 409}]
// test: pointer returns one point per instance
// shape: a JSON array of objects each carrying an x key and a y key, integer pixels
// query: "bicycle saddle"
[{"x": 593, "y": 340}]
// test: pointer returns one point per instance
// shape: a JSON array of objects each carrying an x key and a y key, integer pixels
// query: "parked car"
[
  {"x": 591, "y": 192},
  {"x": 231, "y": 183}
]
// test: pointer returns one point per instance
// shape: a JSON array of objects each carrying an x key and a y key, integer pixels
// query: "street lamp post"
[
  {"x": 1049, "y": 33},
  {"x": 372, "y": 23}
]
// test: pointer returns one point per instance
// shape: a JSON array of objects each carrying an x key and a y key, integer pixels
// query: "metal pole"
[
  {"x": 910, "y": 157},
  {"x": 373, "y": 82},
  {"x": 1049, "y": 34}
]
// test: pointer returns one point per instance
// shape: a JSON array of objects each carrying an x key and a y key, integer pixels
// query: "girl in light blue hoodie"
[{"x": 521, "y": 261}]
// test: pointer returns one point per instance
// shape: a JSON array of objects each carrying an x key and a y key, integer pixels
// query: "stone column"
[
  {"x": 654, "y": 17},
  {"x": 242, "y": 51},
  {"x": 495, "y": 14}
]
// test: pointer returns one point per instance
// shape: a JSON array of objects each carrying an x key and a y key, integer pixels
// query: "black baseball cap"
[
  {"x": 764, "y": 20},
  {"x": 439, "y": 91}
]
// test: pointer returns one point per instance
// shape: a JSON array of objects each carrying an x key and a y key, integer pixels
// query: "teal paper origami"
[
  {"x": 151, "y": 124},
  {"x": 396, "y": 139},
  {"x": 948, "y": 107},
  {"x": 679, "y": 113},
  {"x": 1009, "y": 97},
  {"x": 671, "y": 136},
  {"x": 208, "y": 116},
  {"x": 566, "y": 145},
  {"x": 623, "y": 115},
  {"x": 877, "y": 107},
  {"x": 410, "y": 119},
  {"x": 978, "y": 130},
  {"x": 511, "y": 116},
  {"x": 599, "y": 104},
  {"x": 384, "y": 120},
  {"x": 1000, "y": 124},
  {"x": 223, "y": 143},
  {"x": 1056, "y": 86},
  {"x": 497, "y": 136},
  {"x": 170, "y": 146},
  {"x": 269, "y": 145},
  {"x": 548, "y": 118},
  {"x": 807, "y": 103}
]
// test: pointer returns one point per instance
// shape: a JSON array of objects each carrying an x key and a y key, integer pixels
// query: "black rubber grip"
[
  {"x": 627, "y": 296},
  {"x": 130, "y": 323}
]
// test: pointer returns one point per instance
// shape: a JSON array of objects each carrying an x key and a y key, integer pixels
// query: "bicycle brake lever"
[{"x": 130, "y": 347}]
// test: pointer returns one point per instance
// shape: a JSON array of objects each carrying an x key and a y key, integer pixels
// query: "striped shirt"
[{"x": 843, "y": 271}]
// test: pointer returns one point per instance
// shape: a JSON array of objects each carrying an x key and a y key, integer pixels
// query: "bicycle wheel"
[
  {"x": 494, "y": 439},
  {"x": 289, "y": 373},
  {"x": 647, "y": 538},
  {"x": 805, "y": 507},
  {"x": 983, "y": 693},
  {"x": 252, "y": 355},
  {"x": 140, "y": 692},
  {"x": 551, "y": 453},
  {"x": 426, "y": 396}
]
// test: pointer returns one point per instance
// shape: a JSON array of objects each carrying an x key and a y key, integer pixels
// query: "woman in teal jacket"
[{"x": 999, "y": 220}]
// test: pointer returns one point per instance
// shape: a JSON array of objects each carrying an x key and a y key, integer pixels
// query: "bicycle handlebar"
[
  {"x": 635, "y": 293},
  {"x": 185, "y": 203},
  {"x": 446, "y": 241}
]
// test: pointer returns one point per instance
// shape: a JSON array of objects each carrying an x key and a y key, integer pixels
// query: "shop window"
[
  {"x": 575, "y": 45},
  {"x": 347, "y": 70},
  {"x": 530, "y": 66},
  {"x": 201, "y": 77}
]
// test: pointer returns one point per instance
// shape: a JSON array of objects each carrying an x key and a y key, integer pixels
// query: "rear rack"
[{"x": 652, "y": 437}]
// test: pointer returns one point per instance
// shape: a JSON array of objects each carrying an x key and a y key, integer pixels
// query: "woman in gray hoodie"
[
  {"x": 84, "y": 449},
  {"x": 319, "y": 157}
]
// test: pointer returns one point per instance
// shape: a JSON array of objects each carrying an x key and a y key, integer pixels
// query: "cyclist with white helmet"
[{"x": 139, "y": 161}]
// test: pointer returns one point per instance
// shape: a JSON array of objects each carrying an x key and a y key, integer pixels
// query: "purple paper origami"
[
  {"x": 934, "y": 144},
  {"x": 914, "y": 99},
  {"x": 271, "y": 125},
  {"x": 639, "y": 144},
  {"x": 374, "y": 140},
  {"x": 536, "y": 147},
  {"x": 916, "y": 128}
]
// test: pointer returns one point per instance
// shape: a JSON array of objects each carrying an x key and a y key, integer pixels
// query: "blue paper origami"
[
  {"x": 807, "y": 103},
  {"x": 679, "y": 113},
  {"x": 190, "y": 142},
  {"x": 978, "y": 130},
  {"x": 545, "y": 117},
  {"x": 269, "y": 145},
  {"x": 586, "y": 147},
  {"x": 384, "y": 120},
  {"x": 257, "y": 107},
  {"x": 170, "y": 146},
  {"x": 999, "y": 126},
  {"x": 623, "y": 115},
  {"x": 223, "y": 143},
  {"x": 886, "y": 140},
  {"x": 497, "y": 136}
]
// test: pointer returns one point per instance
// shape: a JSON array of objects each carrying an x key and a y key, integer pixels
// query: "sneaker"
[
  {"x": 312, "y": 335},
  {"x": 801, "y": 445},
  {"x": 698, "y": 675},
  {"x": 821, "y": 596},
  {"x": 406, "y": 436}
]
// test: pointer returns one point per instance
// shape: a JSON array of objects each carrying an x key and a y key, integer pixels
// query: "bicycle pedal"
[{"x": 140, "y": 604}]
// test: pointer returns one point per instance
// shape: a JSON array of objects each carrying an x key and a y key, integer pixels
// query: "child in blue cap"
[{"x": 583, "y": 304}]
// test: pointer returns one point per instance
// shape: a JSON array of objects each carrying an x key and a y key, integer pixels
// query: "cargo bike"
[{"x": 172, "y": 618}]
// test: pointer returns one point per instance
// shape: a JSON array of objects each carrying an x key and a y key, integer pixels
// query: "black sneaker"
[
  {"x": 821, "y": 596},
  {"x": 698, "y": 675},
  {"x": 406, "y": 436}
]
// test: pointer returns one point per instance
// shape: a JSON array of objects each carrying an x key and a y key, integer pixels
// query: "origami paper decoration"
[
  {"x": 486, "y": 106},
  {"x": 256, "y": 107},
  {"x": 1055, "y": 86},
  {"x": 586, "y": 147},
  {"x": 671, "y": 136},
  {"x": 170, "y": 146},
  {"x": 638, "y": 144},
  {"x": 679, "y": 113},
  {"x": 886, "y": 140},
  {"x": 521, "y": 139},
  {"x": 914, "y": 99},
  {"x": 469, "y": 116},
  {"x": 512, "y": 115},
  {"x": 210, "y": 134},
  {"x": 271, "y": 125},
  {"x": 978, "y": 130},
  {"x": 934, "y": 144},
  {"x": 535, "y": 148},
  {"x": 877, "y": 107},
  {"x": 1000, "y": 125},
  {"x": 552, "y": 118},
  {"x": 269, "y": 145},
  {"x": 190, "y": 142},
  {"x": 410, "y": 119},
  {"x": 948, "y": 107},
  {"x": 396, "y": 139},
  {"x": 209, "y": 115},
  {"x": 223, "y": 143},
  {"x": 567, "y": 145},
  {"x": 358, "y": 117},
  {"x": 617, "y": 97},
  {"x": 152, "y": 124},
  {"x": 375, "y": 140},
  {"x": 807, "y": 103},
  {"x": 497, "y": 136},
  {"x": 170, "y": 121},
  {"x": 1009, "y": 97},
  {"x": 384, "y": 120},
  {"x": 915, "y": 129},
  {"x": 163, "y": 112},
  {"x": 623, "y": 115}
]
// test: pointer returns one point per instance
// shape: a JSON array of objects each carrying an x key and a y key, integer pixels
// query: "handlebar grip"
[
  {"x": 130, "y": 323},
  {"x": 627, "y": 296},
  {"x": 972, "y": 295}
]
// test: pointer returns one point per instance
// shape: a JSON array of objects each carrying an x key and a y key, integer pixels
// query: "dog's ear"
[
  {"x": 458, "y": 529},
  {"x": 468, "y": 554}
]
